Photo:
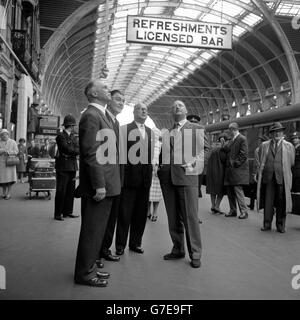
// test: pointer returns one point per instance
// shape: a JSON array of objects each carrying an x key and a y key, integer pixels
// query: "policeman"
[{"x": 66, "y": 167}]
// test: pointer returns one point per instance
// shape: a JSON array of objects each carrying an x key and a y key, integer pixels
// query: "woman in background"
[
  {"x": 215, "y": 173},
  {"x": 21, "y": 167},
  {"x": 8, "y": 174},
  {"x": 155, "y": 190}
]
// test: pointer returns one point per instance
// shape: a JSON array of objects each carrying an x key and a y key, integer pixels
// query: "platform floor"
[{"x": 239, "y": 261}]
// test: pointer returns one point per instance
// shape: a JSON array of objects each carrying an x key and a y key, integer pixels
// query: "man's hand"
[{"x": 100, "y": 194}]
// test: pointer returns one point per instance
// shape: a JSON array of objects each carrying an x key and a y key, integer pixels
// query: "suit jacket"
[
  {"x": 237, "y": 166},
  {"x": 184, "y": 148},
  {"x": 94, "y": 174},
  {"x": 68, "y": 149},
  {"x": 137, "y": 174}
]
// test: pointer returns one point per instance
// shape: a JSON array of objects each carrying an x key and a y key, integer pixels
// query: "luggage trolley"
[{"x": 41, "y": 176}]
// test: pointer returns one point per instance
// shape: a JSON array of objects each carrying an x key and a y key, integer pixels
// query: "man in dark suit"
[
  {"x": 181, "y": 161},
  {"x": 114, "y": 107},
  {"x": 66, "y": 167},
  {"x": 137, "y": 182},
  {"x": 236, "y": 171},
  {"x": 99, "y": 180}
]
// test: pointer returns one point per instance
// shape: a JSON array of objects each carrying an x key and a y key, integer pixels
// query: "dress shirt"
[
  {"x": 99, "y": 107},
  {"x": 142, "y": 129}
]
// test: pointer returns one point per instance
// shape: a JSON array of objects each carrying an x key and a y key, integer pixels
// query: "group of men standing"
[{"x": 115, "y": 194}]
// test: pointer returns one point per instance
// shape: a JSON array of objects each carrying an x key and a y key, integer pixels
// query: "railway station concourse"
[{"x": 227, "y": 60}]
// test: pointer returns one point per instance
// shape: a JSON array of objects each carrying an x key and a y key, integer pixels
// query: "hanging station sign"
[{"x": 183, "y": 33}]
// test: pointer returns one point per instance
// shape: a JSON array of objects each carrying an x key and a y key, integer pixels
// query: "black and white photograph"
[{"x": 150, "y": 153}]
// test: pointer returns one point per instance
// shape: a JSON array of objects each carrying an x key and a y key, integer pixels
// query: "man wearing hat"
[
  {"x": 274, "y": 175},
  {"x": 295, "y": 139},
  {"x": 66, "y": 167},
  {"x": 236, "y": 171}
]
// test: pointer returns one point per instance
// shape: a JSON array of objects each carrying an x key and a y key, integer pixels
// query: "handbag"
[{"x": 12, "y": 161}]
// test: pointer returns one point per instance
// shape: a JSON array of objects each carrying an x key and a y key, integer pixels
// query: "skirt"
[{"x": 155, "y": 190}]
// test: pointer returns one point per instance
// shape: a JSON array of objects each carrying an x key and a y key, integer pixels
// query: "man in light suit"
[
  {"x": 181, "y": 161},
  {"x": 236, "y": 171},
  {"x": 137, "y": 182},
  {"x": 99, "y": 184},
  {"x": 276, "y": 158}
]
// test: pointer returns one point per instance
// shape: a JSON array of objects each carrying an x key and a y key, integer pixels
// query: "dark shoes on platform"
[
  {"x": 137, "y": 249},
  {"x": 59, "y": 218},
  {"x": 110, "y": 257},
  {"x": 196, "y": 263},
  {"x": 62, "y": 218},
  {"x": 173, "y": 256},
  {"x": 119, "y": 252},
  {"x": 279, "y": 229},
  {"x": 94, "y": 282},
  {"x": 243, "y": 216},
  {"x": 217, "y": 211},
  {"x": 231, "y": 214},
  {"x": 103, "y": 275},
  {"x": 72, "y": 216},
  {"x": 99, "y": 264}
]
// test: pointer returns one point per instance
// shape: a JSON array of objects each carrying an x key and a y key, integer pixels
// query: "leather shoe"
[
  {"x": 243, "y": 216},
  {"x": 110, "y": 257},
  {"x": 137, "y": 249},
  {"x": 280, "y": 230},
  {"x": 196, "y": 263},
  {"x": 119, "y": 252},
  {"x": 173, "y": 256},
  {"x": 73, "y": 215},
  {"x": 265, "y": 229},
  {"x": 59, "y": 218},
  {"x": 102, "y": 275},
  {"x": 99, "y": 264},
  {"x": 94, "y": 282},
  {"x": 230, "y": 214}
]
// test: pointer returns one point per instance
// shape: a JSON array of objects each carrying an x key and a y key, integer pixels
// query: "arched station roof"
[{"x": 261, "y": 71}]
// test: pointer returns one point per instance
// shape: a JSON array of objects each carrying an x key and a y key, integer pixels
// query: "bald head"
[
  {"x": 96, "y": 91},
  {"x": 140, "y": 112},
  {"x": 179, "y": 111}
]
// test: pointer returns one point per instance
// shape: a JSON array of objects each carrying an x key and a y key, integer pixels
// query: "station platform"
[{"x": 239, "y": 261}]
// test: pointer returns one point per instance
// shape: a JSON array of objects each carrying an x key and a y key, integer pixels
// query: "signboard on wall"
[
  {"x": 48, "y": 124},
  {"x": 174, "y": 32}
]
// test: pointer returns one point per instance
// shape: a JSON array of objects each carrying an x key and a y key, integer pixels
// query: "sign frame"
[{"x": 230, "y": 26}]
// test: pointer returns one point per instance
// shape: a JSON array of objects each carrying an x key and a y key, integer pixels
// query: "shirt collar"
[
  {"x": 140, "y": 125},
  {"x": 182, "y": 122},
  {"x": 98, "y": 106},
  {"x": 111, "y": 115},
  {"x": 67, "y": 132},
  {"x": 235, "y": 134}
]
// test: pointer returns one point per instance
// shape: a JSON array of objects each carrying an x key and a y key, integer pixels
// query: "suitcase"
[
  {"x": 39, "y": 174},
  {"x": 41, "y": 184}
]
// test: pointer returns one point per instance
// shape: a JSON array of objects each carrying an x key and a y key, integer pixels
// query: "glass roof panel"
[
  {"x": 230, "y": 8},
  {"x": 214, "y": 18},
  {"x": 154, "y": 10},
  {"x": 290, "y": 9},
  {"x": 251, "y": 19},
  {"x": 182, "y": 12},
  {"x": 238, "y": 31}
]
